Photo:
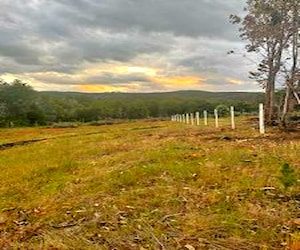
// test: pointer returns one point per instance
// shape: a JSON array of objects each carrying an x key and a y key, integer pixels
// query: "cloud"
[
  {"x": 64, "y": 44},
  {"x": 183, "y": 18}
]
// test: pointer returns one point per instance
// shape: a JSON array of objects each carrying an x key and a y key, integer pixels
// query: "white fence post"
[
  {"x": 197, "y": 118},
  {"x": 232, "y": 117},
  {"x": 216, "y": 118},
  {"x": 187, "y": 119},
  {"x": 205, "y": 117},
  {"x": 183, "y": 118},
  {"x": 261, "y": 119},
  {"x": 192, "y": 118}
]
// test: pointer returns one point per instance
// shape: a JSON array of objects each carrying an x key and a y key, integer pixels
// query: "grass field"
[{"x": 149, "y": 185}]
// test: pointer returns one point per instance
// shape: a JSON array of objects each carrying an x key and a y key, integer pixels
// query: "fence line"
[{"x": 194, "y": 118}]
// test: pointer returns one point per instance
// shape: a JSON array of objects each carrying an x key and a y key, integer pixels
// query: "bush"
[{"x": 288, "y": 176}]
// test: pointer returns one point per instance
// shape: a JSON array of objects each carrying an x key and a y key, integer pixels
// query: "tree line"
[{"x": 21, "y": 105}]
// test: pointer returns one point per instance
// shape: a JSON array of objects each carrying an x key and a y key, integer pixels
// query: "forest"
[{"x": 21, "y": 105}]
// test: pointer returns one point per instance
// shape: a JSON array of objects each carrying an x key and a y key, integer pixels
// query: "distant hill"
[{"x": 250, "y": 97}]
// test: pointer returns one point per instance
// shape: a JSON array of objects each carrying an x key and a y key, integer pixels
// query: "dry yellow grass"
[{"x": 148, "y": 185}]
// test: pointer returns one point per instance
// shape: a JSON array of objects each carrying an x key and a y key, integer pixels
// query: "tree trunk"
[
  {"x": 291, "y": 82},
  {"x": 269, "y": 98},
  {"x": 286, "y": 106}
]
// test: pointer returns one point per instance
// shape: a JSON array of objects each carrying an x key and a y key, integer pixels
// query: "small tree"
[
  {"x": 288, "y": 176},
  {"x": 223, "y": 110},
  {"x": 17, "y": 98}
]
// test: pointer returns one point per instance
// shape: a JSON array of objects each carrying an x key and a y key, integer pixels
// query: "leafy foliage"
[
  {"x": 288, "y": 176},
  {"x": 19, "y": 104},
  {"x": 271, "y": 29}
]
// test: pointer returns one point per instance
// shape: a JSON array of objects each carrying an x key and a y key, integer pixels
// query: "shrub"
[{"x": 288, "y": 177}]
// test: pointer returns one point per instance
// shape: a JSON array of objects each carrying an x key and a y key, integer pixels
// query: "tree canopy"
[{"x": 271, "y": 28}]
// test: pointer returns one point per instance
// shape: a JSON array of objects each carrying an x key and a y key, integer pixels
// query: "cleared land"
[{"x": 148, "y": 185}]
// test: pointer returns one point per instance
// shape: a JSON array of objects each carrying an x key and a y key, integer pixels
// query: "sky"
[{"x": 123, "y": 45}]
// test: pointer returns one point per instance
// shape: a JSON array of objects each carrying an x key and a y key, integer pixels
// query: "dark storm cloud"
[
  {"x": 21, "y": 53},
  {"x": 181, "y": 17},
  {"x": 103, "y": 78},
  {"x": 63, "y": 35},
  {"x": 117, "y": 47},
  {"x": 58, "y": 30}
]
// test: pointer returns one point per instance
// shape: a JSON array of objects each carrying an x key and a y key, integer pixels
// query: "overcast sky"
[{"x": 123, "y": 45}]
